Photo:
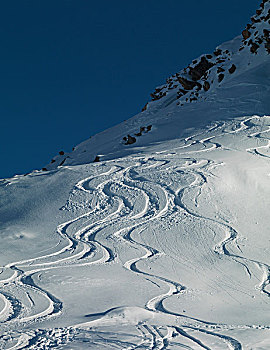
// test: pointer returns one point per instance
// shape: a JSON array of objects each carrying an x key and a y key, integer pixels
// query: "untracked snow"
[{"x": 161, "y": 243}]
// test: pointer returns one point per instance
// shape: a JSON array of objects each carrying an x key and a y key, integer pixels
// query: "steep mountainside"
[
  {"x": 209, "y": 71},
  {"x": 209, "y": 78},
  {"x": 153, "y": 234}
]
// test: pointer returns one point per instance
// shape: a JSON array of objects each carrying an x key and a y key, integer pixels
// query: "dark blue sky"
[{"x": 71, "y": 68}]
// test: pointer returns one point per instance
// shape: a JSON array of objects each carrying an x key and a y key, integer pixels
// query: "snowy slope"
[{"x": 164, "y": 242}]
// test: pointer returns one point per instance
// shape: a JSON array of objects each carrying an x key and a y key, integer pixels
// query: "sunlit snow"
[{"x": 162, "y": 244}]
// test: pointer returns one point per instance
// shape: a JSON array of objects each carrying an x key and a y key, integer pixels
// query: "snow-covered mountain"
[{"x": 153, "y": 234}]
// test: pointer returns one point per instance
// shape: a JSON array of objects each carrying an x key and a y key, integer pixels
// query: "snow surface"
[{"x": 163, "y": 244}]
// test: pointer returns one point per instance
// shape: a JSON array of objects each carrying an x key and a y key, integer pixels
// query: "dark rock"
[
  {"x": 142, "y": 129},
  {"x": 232, "y": 69},
  {"x": 220, "y": 69},
  {"x": 130, "y": 140},
  {"x": 206, "y": 86},
  {"x": 63, "y": 161},
  {"x": 44, "y": 169},
  {"x": 97, "y": 159},
  {"x": 53, "y": 160},
  {"x": 145, "y": 107},
  {"x": 138, "y": 134},
  {"x": 246, "y": 34},
  {"x": 61, "y": 153},
  {"x": 266, "y": 32},
  {"x": 220, "y": 77},
  {"x": 148, "y": 128},
  {"x": 157, "y": 94},
  {"x": 218, "y": 52},
  {"x": 254, "y": 48},
  {"x": 187, "y": 84},
  {"x": 220, "y": 60},
  {"x": 199, "y": 70},
  {"x": 254, "y": 20}
]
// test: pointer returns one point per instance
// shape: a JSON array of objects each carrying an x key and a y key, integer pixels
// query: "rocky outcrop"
[
  {"x": 129, "y": 140},
  {"x": 232, "y": 69},
  {"x": 220, "y": 77},
  {"x": 195, "y": 77},
  {"x": 246, "y": 34},
  {"x": 157, "y": 94},
  {"x": 63, "y": 161},
  {"x": 187, "y": 84},
  {"x": 201, "y": 68},
  {"x": 145, "y": 107},
  {"x": 257, "y": 36}
]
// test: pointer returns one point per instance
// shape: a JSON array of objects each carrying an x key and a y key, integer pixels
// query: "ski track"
[{"x": 85, "y": 245}]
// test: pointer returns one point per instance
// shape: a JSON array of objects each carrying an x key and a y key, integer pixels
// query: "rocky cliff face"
[{"x": 212, "y": 69}]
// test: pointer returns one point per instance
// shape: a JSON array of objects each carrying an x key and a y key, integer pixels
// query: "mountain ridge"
[{"x": 196, "y": 83}]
